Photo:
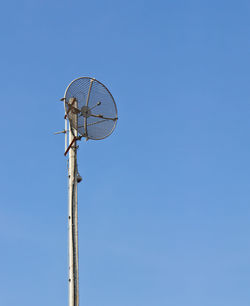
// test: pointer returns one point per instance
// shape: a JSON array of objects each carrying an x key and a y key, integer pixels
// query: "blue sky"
[{"x": 164, "y": 203}]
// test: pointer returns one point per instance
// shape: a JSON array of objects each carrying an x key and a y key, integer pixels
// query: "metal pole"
[{"x": 73, "y": 223}]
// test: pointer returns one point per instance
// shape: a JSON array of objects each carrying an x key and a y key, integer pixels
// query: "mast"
[{"x": 73, "y": 221}]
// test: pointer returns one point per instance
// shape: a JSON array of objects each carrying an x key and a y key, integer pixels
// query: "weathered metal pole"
[{"x": 73, "y": 222}]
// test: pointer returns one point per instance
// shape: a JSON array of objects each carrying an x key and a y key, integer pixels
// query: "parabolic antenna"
[{"x": 90, "y": 108}]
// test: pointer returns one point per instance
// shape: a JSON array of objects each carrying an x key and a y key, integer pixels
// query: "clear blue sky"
[{"x": 164, "y": 206}]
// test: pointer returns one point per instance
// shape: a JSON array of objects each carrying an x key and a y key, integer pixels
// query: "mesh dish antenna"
[
  {"x": 90, "y": 112},
  {"x": 91, "y": 108}
]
